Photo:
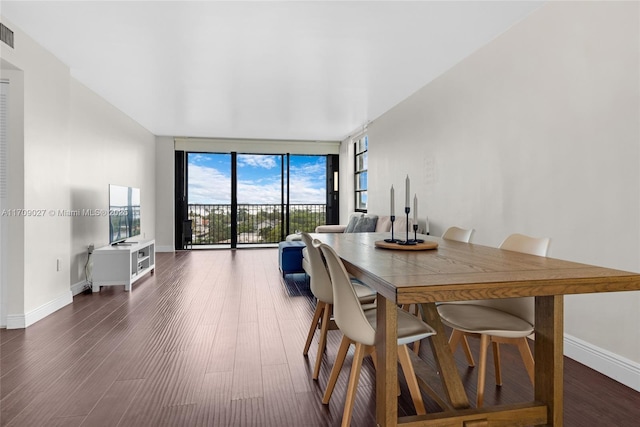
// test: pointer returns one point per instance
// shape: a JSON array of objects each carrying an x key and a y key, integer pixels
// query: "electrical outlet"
[{"x": 91, "y": 248}]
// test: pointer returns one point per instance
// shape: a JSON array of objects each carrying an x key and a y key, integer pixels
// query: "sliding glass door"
[
  {"x": 307, "y": 192},
  {"x": 260, "y": 196},
  {"x": 238, "y": 200},
  {"x": 209, "y": 197}
]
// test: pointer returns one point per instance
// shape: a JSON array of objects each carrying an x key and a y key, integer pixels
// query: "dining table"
[{"x": 456, "y": 271}]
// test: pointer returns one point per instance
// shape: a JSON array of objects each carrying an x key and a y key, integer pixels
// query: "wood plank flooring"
[{"x": 215, "y": 338}]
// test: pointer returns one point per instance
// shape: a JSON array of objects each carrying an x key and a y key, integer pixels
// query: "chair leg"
[
  {"x": 467, "y": 351},
  {"x": 482, "y": 369},
  {"x": 335, "y": 371},
  {"x": 454, "y": 340},
  {"x": 314, "y": 325},
  {"x": 496, "y": 362},
  {"x": 410, "y": 377},
  {"x": 353, "y": 384},
  {"x": 322, "y": 344},
  {"x": 527, "y": 358},
  {"x": 417, "y": 311},
  {"x": 416, "y": 347},
  {"x": 458, "y": 337}
]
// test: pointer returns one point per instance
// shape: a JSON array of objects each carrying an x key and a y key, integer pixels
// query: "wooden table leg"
[
  {"x": 444, "y": 359},
  {"x": 549, "y": 363},
  {"x": 387, "y": 369}
]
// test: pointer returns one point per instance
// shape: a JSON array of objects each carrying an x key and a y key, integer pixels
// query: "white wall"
[
  {"x": 539, "y": 133},
  {"x": 106, "y": 147},
  {"x": 165, "y": 202},
  {"x": 66, "y": 147},
  {"x": 35, "y": 285},
  {"x": 13, "y": 297}
]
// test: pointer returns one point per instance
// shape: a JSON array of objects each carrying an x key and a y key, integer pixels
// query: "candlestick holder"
[
  {"x": 392, "y": 239},
  {"x": 415, "y": 235},
  {"x": 407, "y": 242}
]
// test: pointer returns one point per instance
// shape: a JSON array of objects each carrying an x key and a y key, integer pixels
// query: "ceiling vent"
[{"x": 6, "y": 35}]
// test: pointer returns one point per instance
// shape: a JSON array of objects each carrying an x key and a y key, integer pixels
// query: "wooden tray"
[{"x": 417, "y": 247}]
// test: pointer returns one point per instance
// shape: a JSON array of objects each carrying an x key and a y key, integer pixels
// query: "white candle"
[
  {"x": 393, "y": 201},
  {"x": 415, "y": 209},
  {"x": 407, "y": 201}
]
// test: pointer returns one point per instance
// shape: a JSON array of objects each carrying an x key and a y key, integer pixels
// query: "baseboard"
[
  {"x": 78, "y": 287},
  {"x": 165, "y": 249},
  {"x": 614, "y": 366},
  {"x": 20, "y": 321}
]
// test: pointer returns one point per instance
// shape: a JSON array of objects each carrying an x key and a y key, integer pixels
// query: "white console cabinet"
[{"x": 122, "y": 264}]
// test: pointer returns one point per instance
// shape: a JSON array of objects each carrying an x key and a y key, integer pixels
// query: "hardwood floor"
[{"x": 215, "y": 338}]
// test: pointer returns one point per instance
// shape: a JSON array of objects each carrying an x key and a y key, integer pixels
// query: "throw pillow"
[
  {"x": 366, "y": 224},
  {"x": 352, "y": 223}
]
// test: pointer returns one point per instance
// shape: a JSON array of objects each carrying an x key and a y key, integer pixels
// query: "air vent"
[{"x": 6, "y": 35}]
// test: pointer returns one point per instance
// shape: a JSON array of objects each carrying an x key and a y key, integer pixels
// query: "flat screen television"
[{"x": 124, "y": 213}]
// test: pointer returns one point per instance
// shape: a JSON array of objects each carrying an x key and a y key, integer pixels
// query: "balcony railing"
[{"x": 257, "y": 224}]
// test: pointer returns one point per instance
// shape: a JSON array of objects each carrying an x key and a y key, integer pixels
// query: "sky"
[{"x": 259, "y": 180}]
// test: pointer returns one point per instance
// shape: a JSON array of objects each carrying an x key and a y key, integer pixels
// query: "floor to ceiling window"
[
  {"x": 260, "y": 196},
  {"x": 209, "y": 197},
  {"x": 307, "y": 192},
  {"x": 236, "y": 200}
]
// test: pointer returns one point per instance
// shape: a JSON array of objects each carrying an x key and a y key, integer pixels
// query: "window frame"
[{"x": 360, "y": 172}]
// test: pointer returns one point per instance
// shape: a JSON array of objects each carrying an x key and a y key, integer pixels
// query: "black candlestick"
[
  {"x": 392, "y": 240},
  {"x": 415, "y": 234},
  {"x": 407, "y": 242}
]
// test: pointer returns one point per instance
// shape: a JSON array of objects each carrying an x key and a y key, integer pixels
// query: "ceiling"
[{"x": 292, "y": 70}]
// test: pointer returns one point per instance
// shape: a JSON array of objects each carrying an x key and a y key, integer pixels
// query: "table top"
[{"x": 464, "y": 271}]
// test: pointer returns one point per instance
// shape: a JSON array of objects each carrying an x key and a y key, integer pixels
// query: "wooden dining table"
[{"x": 456, "y": 271}]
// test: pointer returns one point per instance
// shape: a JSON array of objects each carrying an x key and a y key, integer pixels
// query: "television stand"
[
  {"x": 122, "y": 264},
  {"x": 124, "y": 243}
]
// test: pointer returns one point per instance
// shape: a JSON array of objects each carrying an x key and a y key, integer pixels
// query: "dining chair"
[
  {"x": 496, "y": 321},
  {"x": 359, "y": 328},
  {"x": 321, "y": 288},
  {"x": 458, "y": 234},
  {"x": 452, "y": 233}
]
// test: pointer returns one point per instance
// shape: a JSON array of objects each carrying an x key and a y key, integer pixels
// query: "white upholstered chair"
[
  {"x": 359, "y": 328},
  {"x": 321, "y": 288},
  {"x": 496, "y": 321},
  {"x": 452, "y": 233},
  {"x": 458, "y": 234}
]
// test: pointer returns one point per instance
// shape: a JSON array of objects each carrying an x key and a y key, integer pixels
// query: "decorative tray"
[{"x": 420, "y": 246}]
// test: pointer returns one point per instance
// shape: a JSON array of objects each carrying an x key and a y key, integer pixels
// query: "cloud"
[
  {"x": 208, "y": 185},
  {"x": 257, "y": 160}
]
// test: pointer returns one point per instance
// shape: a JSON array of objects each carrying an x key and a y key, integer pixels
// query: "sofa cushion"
[
  {"x": 294, "y": 237},
  {"x": 331, "y": 228},
  {"x": 366, "y": 224},
  {"x": 384, "y": 224},
  {"x": 400, "y": 226},
  {"x": 353, "y": 220}
]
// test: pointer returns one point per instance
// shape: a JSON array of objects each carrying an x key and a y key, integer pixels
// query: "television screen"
[{"x": 124, "y": 213}]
